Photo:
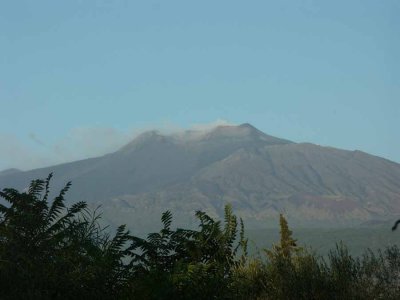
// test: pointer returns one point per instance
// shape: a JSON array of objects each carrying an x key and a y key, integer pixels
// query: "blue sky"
[{"x": 80, "y": 78}]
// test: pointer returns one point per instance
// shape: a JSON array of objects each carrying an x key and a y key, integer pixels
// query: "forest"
[{"x": 49, "y": 250}]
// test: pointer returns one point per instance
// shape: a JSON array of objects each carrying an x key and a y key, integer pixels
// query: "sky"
[{"x": 81, "y": 78}]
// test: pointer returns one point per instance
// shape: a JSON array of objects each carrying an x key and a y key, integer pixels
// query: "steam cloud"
[{"x": 79, "y": 143}]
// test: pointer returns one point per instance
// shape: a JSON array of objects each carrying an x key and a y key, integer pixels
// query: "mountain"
[
  {"x": 9, "y": 171},
  {"x": 260, "y": 175}
]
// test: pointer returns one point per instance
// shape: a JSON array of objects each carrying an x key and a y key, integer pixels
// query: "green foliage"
[
  {"x": 188, "y": 264},
  {"x": 300, "y": 274},
  {"x": 50, "y": 251},
  {"x": 287, "y": 245}
]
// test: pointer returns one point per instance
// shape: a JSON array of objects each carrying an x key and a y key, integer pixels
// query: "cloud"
[
  {"x": 34, "y": 138},
  {"x": 211, "y": 125},
  {"x": 87, "y": 142},
  {"x": 198, "y": 130},
  {"x": 79, "y": 143},
  {"x": 16, "y": 154}
]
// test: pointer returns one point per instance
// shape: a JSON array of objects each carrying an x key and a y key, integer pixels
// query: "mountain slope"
[{"x": 259, "y": 174}]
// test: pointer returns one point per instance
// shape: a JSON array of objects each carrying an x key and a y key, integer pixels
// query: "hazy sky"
[{"x": 80, "y": 78}]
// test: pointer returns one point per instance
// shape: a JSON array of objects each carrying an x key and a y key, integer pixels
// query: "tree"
[
  {"x": 395, "y": 225},
  {"x": 49, "y": 251},
  {"x": 287, "y": 245},
  {"x": 188, "y": 264}
]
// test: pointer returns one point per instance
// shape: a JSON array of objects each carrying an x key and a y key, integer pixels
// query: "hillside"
[{"x": 259, "y": 174}]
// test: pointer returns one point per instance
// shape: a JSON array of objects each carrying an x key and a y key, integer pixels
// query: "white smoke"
[{"x": 83, "y": 142}]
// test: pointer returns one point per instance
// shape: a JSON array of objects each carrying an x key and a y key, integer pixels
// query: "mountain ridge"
[{"x": 259, "y": 174}]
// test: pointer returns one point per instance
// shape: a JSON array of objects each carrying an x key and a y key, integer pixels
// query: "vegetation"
[{"x": 49, "y": 251}]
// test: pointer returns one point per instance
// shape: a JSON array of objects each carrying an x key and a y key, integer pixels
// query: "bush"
[
  {"x": 49, "y": 251},
  {"x": 53, "y": 252}
]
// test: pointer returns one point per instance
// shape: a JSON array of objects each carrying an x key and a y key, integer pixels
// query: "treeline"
[{"x": 49, "y": 251}]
